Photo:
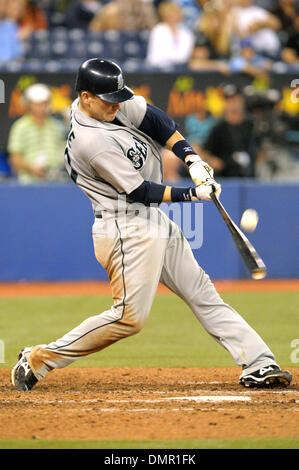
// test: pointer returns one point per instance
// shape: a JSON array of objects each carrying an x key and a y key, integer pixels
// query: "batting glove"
[
  {"x": 199, "y": 170},
  {"x": 203, "y": 191}
]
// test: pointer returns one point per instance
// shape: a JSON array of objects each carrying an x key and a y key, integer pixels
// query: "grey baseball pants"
[{"x": 139, "y": 250}]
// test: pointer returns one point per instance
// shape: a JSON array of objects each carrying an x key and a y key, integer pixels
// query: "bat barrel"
[
  {"x": 254, "y": 263},
  {"x": 259, "y": 273}
]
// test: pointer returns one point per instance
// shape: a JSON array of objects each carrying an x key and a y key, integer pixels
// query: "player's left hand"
[
  {"x": 203, "y": 191},
  {"x": 199, "y": 170},
  {"x": 216, "y": 188}
]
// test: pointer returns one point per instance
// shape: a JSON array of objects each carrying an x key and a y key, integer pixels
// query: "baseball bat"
[{"x": 250, "y": 256}]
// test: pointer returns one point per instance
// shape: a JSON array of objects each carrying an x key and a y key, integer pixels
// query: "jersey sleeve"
[
  {"x": 134, "y": 110},
  {"x": 116, "y": 170}
]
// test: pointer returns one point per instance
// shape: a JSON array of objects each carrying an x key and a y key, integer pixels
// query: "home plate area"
[{"x": 146, "y": 403}]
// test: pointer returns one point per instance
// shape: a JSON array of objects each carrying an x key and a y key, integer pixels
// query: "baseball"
[{"x": 249, "y": 220}]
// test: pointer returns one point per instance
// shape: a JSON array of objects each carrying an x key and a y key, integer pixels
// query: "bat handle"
[{"x": 213, "y": 193}]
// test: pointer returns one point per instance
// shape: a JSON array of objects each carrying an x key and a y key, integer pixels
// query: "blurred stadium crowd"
[
  {"x": 254, "y": 138},
  {"x": 223, "y": 35}
]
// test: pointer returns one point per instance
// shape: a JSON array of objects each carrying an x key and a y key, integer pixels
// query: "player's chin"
[{"x": 110, "y": 116}]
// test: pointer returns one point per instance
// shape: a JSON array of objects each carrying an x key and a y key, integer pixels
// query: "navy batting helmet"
[{"x": 104, "y": 79}]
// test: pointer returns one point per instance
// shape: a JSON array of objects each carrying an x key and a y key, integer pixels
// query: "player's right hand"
[
  {"x": 199, "y": 170},
  {"x": 203, "y": 191}
]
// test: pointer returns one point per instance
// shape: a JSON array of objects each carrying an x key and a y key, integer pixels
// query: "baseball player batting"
[{"x": 113, "y": 153}]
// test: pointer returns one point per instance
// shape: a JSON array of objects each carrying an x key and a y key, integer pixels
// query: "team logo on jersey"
[{"x": 138, "y": 153}]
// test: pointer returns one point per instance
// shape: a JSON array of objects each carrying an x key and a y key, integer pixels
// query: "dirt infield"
[
  {"x": 135, "y": 403},
  {"x": 149, "y": 403},
  {"x": 24, "y": 289}
]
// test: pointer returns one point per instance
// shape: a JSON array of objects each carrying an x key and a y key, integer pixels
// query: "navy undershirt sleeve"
[
  {"x": 148, "y": 193},
  {"x": 157, "y": 124}
]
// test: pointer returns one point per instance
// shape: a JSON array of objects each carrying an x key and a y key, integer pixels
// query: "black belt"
[{"x": 99, "y": 215}]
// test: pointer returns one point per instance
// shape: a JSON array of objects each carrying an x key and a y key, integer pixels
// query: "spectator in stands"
[
  {"x": 290, "y": 52},
  {"x": 277, "y": 134},
  {"x": 216, "y": 25},
  {"x": 201, "y": 57},
  {"x": 231, "y": 148},
  {"x": 11, "y": 47},
  {"x": 198, "y": 127},
  {"x": 170, "y": 43},
  {"x": 2, "y": 9},
  {"x": 36, "y": 140},
  {"x": 286, "y": 12},
  {"x": 62, "y": 5},
  {"x": 129, "y": 15},
  {"x": 249, "y": 62},
  {"x": 28, "y": 15},
  {"x": 55, "y": 5},
  {"x": 191, "y": 9},
  {"x": 257, "y": 24},
  {"x": 80, "y": 13},
  {"x": 34, "y": 16},
  {"x": 55, "y": 11}
]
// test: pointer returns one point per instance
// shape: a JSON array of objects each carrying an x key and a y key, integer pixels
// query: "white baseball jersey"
[{"x": 108, "y": 160}]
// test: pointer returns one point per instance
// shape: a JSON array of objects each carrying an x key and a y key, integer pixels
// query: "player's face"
[
  {"x": 99, "y": 109},
  {"x": 106, "y": 110}
]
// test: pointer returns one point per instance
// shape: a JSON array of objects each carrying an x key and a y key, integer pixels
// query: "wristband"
[
  {"x": 193, "y": 192},
  {"x": 181, "y": 194},
  {"x": 182, "y": 149}
]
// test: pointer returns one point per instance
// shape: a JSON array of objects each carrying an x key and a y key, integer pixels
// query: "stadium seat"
[
  {"x": 59, "y": 49},
  {"x": 57, "y": 19},
  {"x": 95, "y": 48},
  {"x": 59, "y": 33},
  {"x": 61, "y": 43},
  {"x": 13, "y": 66},
  {"x": 34, "y": 65},
  {"x": 70, "y": 65},
  {"x": 39, "y": 45},
  {"x": 42, "y": 35},
  {"x": 112, "y": 36},
  {"x": 76, "y": 50},
  {"x": 76, "y": 44},
  {"x": 144, "y": 35},
  {"x": 134, "y": 45},
  {"x": 132, "y": 65},
  {"x": 132, "y": 49},
  {"x": 77, "y": 35},
  {"x": 54, "y": 66}
]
